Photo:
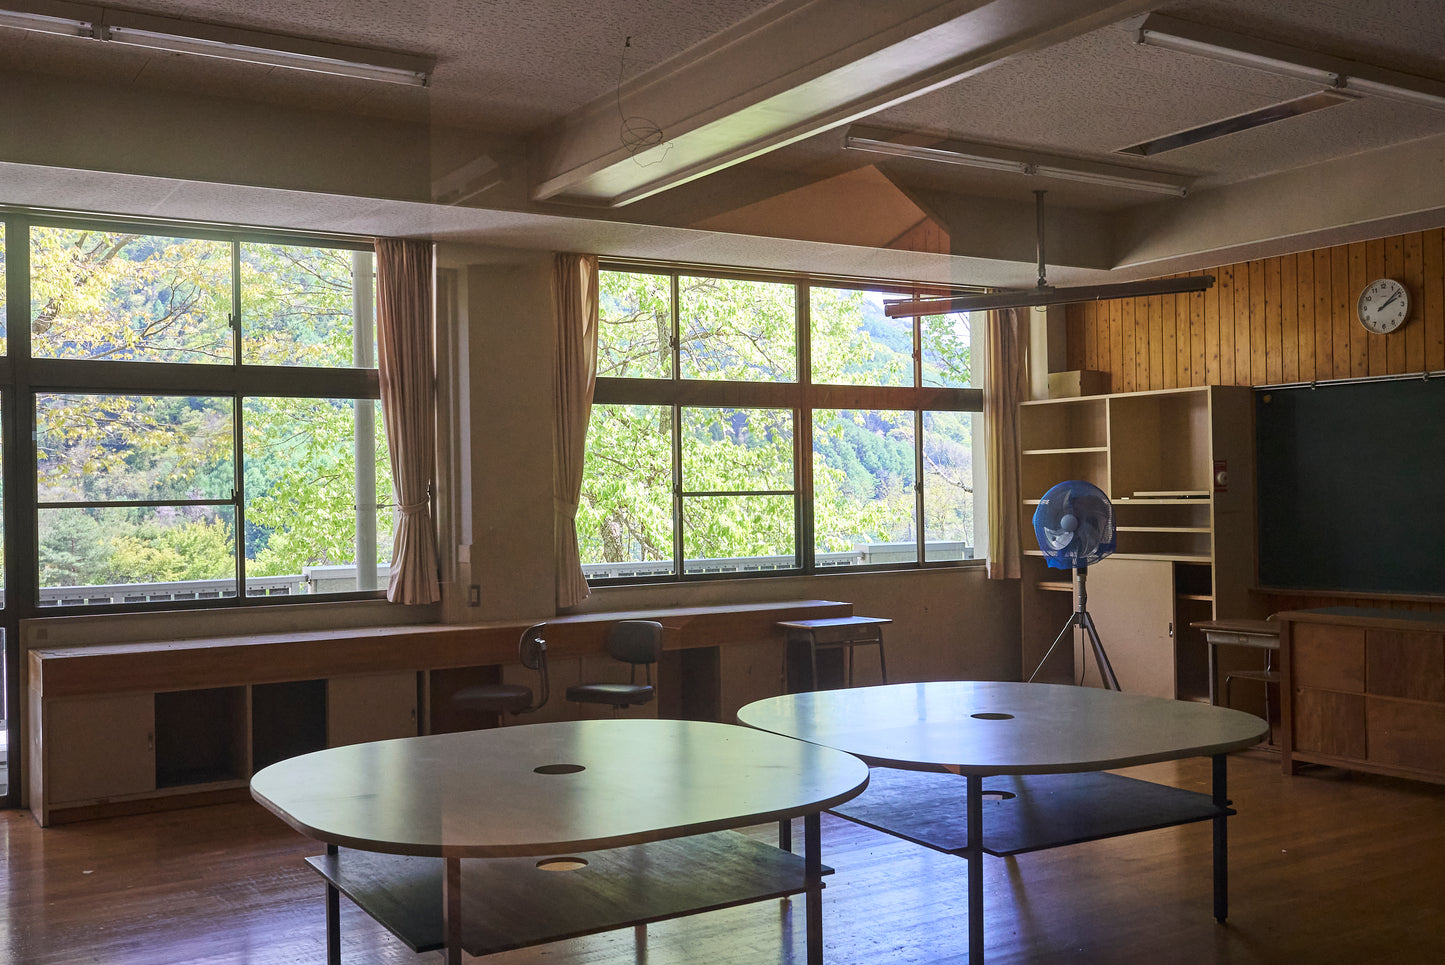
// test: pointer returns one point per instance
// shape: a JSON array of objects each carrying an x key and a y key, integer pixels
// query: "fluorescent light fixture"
[
  {"x": 1410, "y": 95},
  {"x": 1048, "y": 295},
  {"x": 1287, "y": 61},
  {"x": 65, "y": 19},
  {"x": 212, "y": 40},
  {"x": 1118, "y": 177}
]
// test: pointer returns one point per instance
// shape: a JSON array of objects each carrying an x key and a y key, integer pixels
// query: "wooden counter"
[
  {"x": 1364, "y": 689},
  {"x": 121, "y": 727}
]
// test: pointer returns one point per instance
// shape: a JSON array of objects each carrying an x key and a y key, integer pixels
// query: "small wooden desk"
[
  {"x": 1263, "y": 634},
  {"x": 831, "y": 633},
  {"x": 642, "y": 805},
  {"x": 1043, "y": 738}
]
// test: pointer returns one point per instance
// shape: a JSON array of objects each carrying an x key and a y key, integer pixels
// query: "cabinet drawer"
[
  {"x": 1329, "y": 723},
  {"x": 1406, "y": 734},
  {"x": 1403, "y": 664},
  {"x": 1327, "y": 657}
]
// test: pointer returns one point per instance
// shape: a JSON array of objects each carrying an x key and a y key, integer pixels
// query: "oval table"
[
  {"x": 633, "y": 812},
  {"x": 1040, "y": 743}
]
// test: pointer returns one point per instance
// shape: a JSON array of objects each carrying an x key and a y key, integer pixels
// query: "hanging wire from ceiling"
[{"x": 637, "y": 134}]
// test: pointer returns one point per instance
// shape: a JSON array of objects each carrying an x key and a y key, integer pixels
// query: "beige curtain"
[
  {"x": 574, "y": 288},
  {"x": 408, "y": 406},
  {"x": 1005, "y": 388}
]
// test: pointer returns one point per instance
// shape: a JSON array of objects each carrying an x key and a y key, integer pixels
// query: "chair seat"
[
  {"x": 617, "y": 695},
  {"x": 494, "y": 698}
]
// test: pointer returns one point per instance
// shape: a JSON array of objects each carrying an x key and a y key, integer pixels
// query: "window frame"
[
  {"x": 803, "y": 396},
  {"x": 24, "y": 378}
]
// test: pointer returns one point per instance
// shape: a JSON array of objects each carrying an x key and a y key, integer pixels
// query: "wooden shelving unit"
[{"x": 1185, "y": 538}]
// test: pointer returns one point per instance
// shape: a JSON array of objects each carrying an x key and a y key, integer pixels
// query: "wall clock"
[{"x": 1383, "y": 306}]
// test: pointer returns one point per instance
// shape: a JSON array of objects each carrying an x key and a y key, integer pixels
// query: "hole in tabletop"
[
  {"x": 992, "y": 716},
  {"x": 561, "y": 864},
  {"x": 558, "y": 769},
  {"x": 989, "y": 795}
]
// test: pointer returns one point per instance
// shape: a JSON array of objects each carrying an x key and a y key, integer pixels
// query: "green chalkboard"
[{"x": 1351, "y": 486}]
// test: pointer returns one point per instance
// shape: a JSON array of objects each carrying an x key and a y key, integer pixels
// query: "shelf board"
[
  {"x": 1197, "y": 597},
  {"x": 1074, "y": 450},
  {"x": 1173, "y": 557},
  {"x": 1162, "y": 529},
  {"x": 1169, "y": 493},
  {"x": 1159, "y": 501},
  {"x": 1054, "y": 586}
]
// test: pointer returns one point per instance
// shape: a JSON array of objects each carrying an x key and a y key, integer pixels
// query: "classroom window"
[
  {"x": 709, "y": 389},
  {"x": 253, "y": 464}
]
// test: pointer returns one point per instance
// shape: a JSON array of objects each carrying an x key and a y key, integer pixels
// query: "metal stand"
[{"x": 1080, "y": 618}]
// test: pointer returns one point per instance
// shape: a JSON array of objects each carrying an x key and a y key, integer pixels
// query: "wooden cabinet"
[
  {"x": 1364, "y": 689},
  {"x": 370, "y": 707},
  {"x": 1178, "y": 467}
]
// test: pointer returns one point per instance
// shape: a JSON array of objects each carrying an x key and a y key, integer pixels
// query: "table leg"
[
  {"x": 1221, "y": 840},
  {"x": 452, "y": 911},
  {"x": 813, "y": 865},
  {"x": 975, "y": 869},
  {"x": 333, "y": 917},
  {"x": 785, "y": 834}
]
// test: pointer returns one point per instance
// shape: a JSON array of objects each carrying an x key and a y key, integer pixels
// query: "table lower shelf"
[
  {"x": 1021, "y": 813},
  {"x": 511, "y": 903}
]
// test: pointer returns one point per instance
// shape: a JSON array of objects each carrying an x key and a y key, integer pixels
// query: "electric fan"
[{"x": 1075, "y": 527}]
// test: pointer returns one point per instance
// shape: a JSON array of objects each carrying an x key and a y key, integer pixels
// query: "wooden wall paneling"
[
  {"x": 1356, "y": 280},
  {"x": 1414, "y": 278},
  {"x": 1432, "y": 309},
  {"x": 1089, "y": 332},
  {"x": 1126, "y": 341},
  {"x": 1106, "y": 345},
  {"x": 1273, "y": 327},
  {"x": 1074, "y": 335},
  {"x": 1341, "y": 310},
  {"x": 1304, "y": 295},
  {"x": 1375, "y": 362},
  {"x": 1284, "y": 291},
  {"x": 1141, "y": 344},
  {"x": 1243, "y": 360},
  {"x": 1211, "y": 331},
  {"x": 1259, "y": 326},
  {"x": 1160, "y": 344},
  {"x": 1395, "y": 341},
  {"x": 1197, "y": 346},
  {"x": 1184, "y": 353},
  {"x": 1324, "y": 327},
  {"x": 1226, "y": 326}
]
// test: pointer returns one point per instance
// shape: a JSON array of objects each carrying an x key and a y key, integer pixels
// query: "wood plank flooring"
[{"x": 1326, "y": 867}]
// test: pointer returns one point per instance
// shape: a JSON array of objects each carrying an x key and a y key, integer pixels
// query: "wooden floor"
[{"x": 1326, "y": 867}]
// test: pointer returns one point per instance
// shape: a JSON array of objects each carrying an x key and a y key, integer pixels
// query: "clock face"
[{"x": 1383, "y": 306}]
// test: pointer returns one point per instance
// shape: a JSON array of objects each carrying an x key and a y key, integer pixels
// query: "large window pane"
[
  {"x": 625, "y": 513},
  {"x": 864, "y": 500},
  {"x": 948, "y": 505},
  {"x": 732, "y": 450},
  {"x": 316, "y": 470},
  {"x": 100, "y": 555},
  {"x": 948, "y": 350},
  {"x": 744, "y": 331},
  {"x": 634, "y": 332},
  {"x": 303, "y": 306},
  {"x": 732, "y": 534},
  {"x": 105, "y": 448},
  {"x": 128, "y": 297},
  {"x": 854, "y": 343}
]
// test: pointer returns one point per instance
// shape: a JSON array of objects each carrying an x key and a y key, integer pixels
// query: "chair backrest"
[
  {"x": 635, "y": 641},
  {"x": 532, "y": 652}
]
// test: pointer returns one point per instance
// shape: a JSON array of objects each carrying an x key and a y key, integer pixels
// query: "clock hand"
[{"x": 1390, "y": 299}]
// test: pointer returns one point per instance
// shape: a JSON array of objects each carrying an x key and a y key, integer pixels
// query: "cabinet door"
[
  {"x": 99, "y": 747},
  {"x": 370, "y": 707},
  {"x": 1132, "y": 603}
]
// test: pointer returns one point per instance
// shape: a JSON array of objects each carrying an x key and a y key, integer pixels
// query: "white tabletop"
[
  {"x": 478, "y": 794},
  {"x": 984, "y": 727}
]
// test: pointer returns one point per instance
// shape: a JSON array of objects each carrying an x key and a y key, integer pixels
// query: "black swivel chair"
[
  {"x": 504, "y": 699},
  {"x": 635, "y": 642}
]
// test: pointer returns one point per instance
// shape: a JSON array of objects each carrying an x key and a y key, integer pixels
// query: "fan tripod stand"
[{"x": 1080, "y": 618}]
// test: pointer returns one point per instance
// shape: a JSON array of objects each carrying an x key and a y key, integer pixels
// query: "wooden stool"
[{"x": 834, "y": 633}]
